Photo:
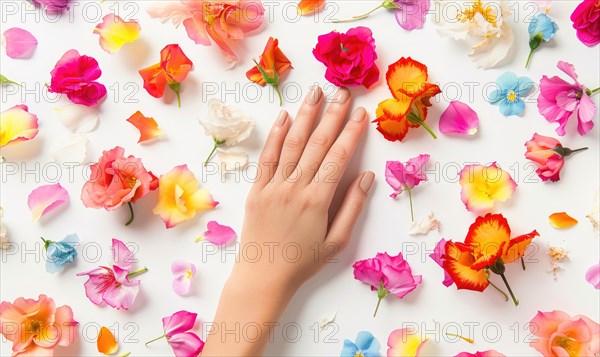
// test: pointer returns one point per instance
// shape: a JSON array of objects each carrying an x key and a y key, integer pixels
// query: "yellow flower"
[
  {"x": 115, "y": 32},
  {"x": 17, "y": 124},
  {"x": 482, "y": 185},
  {"x": 180, "y": 197}
]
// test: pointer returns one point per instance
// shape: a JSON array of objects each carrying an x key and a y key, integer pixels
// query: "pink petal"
[
  {"x": 593, "y": 276},
  {"x": 46, "y": 198},
  {"x": 184, "y": 272},
  {"x": 179, "y": 322},
  {"x": 122, "y": 256},
  {"x": 411, "y": 14},
  {"x": 569, "y": 70},
  {"x": 19, "y": 43},
  {"x": 122, "y": 294},
  {"x": 218, "y": 234},
  {"x": 186, "y": 344},
  {"x": 459, "y": 118},
  {"x": 585, "y": 114}
]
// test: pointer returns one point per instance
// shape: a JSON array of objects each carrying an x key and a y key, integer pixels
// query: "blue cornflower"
[
  {"x": 541, "y": 29},
  {"x": 508, "y": 95},
  {"x": 59, "y": 254},
  {"x": 366, "y": 345}
]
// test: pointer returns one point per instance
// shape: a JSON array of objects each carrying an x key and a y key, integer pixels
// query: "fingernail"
[
  {"x": 314, "y": 95},
  {"x": 341, "y": 96},
  {"x": 359, "y": 114},
  {"x": 366, "y": 182},
  {"x": 281, "y": 118}
]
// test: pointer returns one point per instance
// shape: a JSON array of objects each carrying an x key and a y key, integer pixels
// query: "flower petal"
[
  {"x": 426, "y": 225},
  {"x": 183, "y": 272},
  {"x": 488, "y": 237},
  {"x": 309, "y": 7},
  {"x": 20, "y": 43},
  {"x": 179, "y": 322},
  {"x": 593, "y": 276},
  {"x": 561, "y": 220},
  {"x": 115, "y": 32},
  {"x": 147, "y": 126},
  {"x": 404, "y": 343},
  {"x": 594, "y": 215},
  {"x": 406, "y": 75},
  {"x": 17, "y": 124},
  {"x": 458, "y": 261},
  {"x": 232, "y": 159},
  {"x": 186, "y": 344},
  {"x": 78, "y": 118},
  {"x": 106, "y": 343},
  {"x": 71, "y": 150},
  {"x": 46, "y": 198},
  {"x": 218, "y": 234},
  {"x": 517, "y": 246},
  {"x": 482, "y": 185},
  {"x": 459, "y": 118}
]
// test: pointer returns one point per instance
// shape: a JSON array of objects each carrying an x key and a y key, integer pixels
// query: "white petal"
[
  {"x": 594, "y": 216},
  {"x": 326, "y": 320},
  {"x": 232, "y": 159},
  {"x": 425, "y": 226},
  {"x": 226, "y": 124},
  {"x": 72, "y": 149},
  {"x": 494, "y": 49},
  {"x": 78, "y": 118}
]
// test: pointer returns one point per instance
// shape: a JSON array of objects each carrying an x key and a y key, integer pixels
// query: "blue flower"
[
  {"x": 541, "y": 28},
  {"x": 59, "y": 254},
  {"x": 508, "y": 95},
  {"x": 365, "y": 345}
]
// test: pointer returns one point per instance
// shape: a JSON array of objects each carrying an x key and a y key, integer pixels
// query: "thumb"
[{"x": 351, "y": 207}]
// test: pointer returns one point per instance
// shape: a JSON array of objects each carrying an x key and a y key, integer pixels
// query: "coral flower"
[
  {"x": 180, "y": 197},
  {"x": 17, "y": 124},
  {"x": 482, "y": 185},
  {"x": 560, "y": 335},
  {"x": 36, "y": 327},
  {"x": 407, "y": 80},
  {"x": 272, "y": 65},
  {"x": 487, "y": 246},
  {"x": 172, "y": 69},
  {"x": 549, "y": 155}
]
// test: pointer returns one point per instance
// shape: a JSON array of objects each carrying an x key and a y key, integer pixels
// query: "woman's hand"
[{"x": 287, "y": 235}]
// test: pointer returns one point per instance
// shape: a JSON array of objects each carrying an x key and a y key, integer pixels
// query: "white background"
[{"x": 384, "y": 225}]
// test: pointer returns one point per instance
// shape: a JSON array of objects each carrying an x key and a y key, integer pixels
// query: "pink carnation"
[{"x": 586, "y": 21}]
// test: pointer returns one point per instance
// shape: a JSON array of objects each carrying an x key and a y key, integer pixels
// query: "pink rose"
[
  {"x": 586, "y": 21},
  {"x": 75, "y": 75},
  {"x": 349, "y": 57},
  {"x": 549, "y": 156},
  {"x": 116, "y": 180},
  {"x": 559, "y": 334}
]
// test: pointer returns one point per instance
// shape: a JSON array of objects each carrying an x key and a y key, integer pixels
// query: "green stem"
[
  {"x": 156, "y": 339},
  {"x": 577, "y": 150},
  {"x": 594, "y": 91},
  {"x": 137, "y": 272},
  {"x": 377, "y": 307},
  {"x": 422, "y": 123},
  {"x": 529, "y": 58},
  {"x": 512, "y": 295},
  {"x": 412, "y": 215},
  {"x": 211, "y": 153},
  {"x": 360, "y": 17},
  {"x": 499, "y": 290},
  {"x": 276, "y": 87},
  {"x": 131, "y": 214},
  {"x": 416, "y": 119},
  {"x": 523, "y": 263},
  {"x": 178, "y": 99},
  {"x": 125, "y": 354}
]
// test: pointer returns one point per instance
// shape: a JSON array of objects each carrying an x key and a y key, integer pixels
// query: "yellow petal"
[
  {"x": 16, "y": 125},
  {"x": 115, "y": 32},
  {"x": 107, "y": 344},
  {"x": 562, "y": 220},
  {"x": 482, "y": 185},
  {"x": 405, "y": 343}
]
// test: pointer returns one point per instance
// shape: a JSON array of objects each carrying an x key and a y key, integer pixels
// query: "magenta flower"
[
  {"x": 75, "y": 75},
  {"x": 559, "y": 99},
  {"x": 490, "y": 353},
  {"x": 386, "y": 275},
  {"x": 53, "y": 6},
  {"x": 218, "y": 234},
  {"x": 349, "y": 57},
  {"x": 438, "y": 257},
  {"x": 112, "y": 285},
  {"x": 404, "y": 177},
  {"x": 410, "y": 14},
  {"x": 586, "y": 21},
  {"x": 184, "y": 342},
  {"x": 459, "y": 118}
]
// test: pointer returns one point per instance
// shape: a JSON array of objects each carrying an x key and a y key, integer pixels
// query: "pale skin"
[{"x": 288, "y": 206}]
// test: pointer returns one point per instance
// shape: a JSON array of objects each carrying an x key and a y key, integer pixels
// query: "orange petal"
[
  {"x": 517, "y": 247},
  {"x": 458, "y": 259},
  {"x": 106, "y": 342},
  {"x": 309, "y": 7},
  {"x": 488, "y": 237},
  {"x": 147, "y": 126},
  {"x": 562, "y": 220},
  {"x": 407, "y": 76}
]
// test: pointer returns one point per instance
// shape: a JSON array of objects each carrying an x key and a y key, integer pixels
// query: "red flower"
[{"x": 273, "y": 64}]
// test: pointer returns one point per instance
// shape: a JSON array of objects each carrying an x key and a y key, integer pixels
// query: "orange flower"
[
  {"x": 309, "y": 7},
  {"x": 273, "y": 64},
  {"x": 36, "y": 327},
  {"x": 407, "y": 80},
  {"x": 487, "y": 247},
  {"x": 172, "y": 69}
]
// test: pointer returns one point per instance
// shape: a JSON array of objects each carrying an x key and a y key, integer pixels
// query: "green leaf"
[
  {"x": 536, "y": 41},
  {"x": 4, "y": 80}
]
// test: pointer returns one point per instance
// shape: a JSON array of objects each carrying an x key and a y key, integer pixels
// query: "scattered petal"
[
  {"x": 309, "y": 7},
  {"x": 115, "y": 32},
  {"x": 183, "y": 272},
  {"x": 594, "y": 216},
  {"x": 218, "y": 234},
  {"x": 107, "y": 344},
  {"x": 459, "y": 118},
  {"x": 593, "y": 276},
  {"x": 46, "y": 198},
  {"x": 17, "y": 124},
  {"x": 327, "y": 320},
  {"x": 3, "y": 232},
  {"x": 19, "y": 43},
  {"x": 78, "y": 118},
  {"x": 4, "y": 80},
  {"x": 146, "y": 125},
  {"x": 425, "y": 226},
  {"x": 232, "y": 159},
  {"x": 562, "y": 220},
  {"x": 557, "y": 256},
  {"x": 71, "y": 150},
  {"x": 405, "y": 342}
]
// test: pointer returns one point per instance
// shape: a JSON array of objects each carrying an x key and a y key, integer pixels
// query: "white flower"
[
  {"x": 481, "y": 24},
  {"x": 227, "y": 125},
  {"x": 425, "y": 226},
  {"x": 594, "y": 216}
]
